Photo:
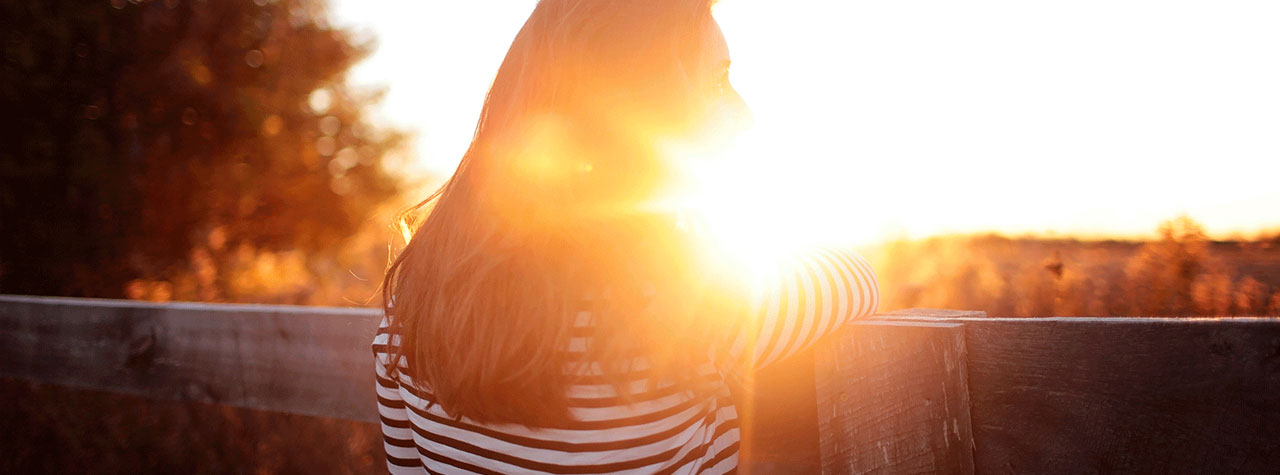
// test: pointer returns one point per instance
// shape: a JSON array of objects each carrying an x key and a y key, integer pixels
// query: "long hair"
[{"x": 550, "y": 214}]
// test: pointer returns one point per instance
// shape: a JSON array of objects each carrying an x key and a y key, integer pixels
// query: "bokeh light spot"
[
  {"x": 330, "y": 125},
  {"x": 320, "y": 101},
  {"x": 200, "y": 74},
  {"x": 253, "y": 58},
  {"x": 325, "y": 146}
]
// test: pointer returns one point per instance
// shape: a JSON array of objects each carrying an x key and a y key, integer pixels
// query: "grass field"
[{"x": 1181, "y": 274}]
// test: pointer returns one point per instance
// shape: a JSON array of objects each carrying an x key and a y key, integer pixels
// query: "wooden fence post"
[{"x": 893, "y": 397}]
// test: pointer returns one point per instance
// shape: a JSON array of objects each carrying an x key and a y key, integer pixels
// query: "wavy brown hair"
[{"x": 550, "y": 213}]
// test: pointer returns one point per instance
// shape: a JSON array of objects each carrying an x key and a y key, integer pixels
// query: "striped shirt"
[{"x": 663, "y": 429}]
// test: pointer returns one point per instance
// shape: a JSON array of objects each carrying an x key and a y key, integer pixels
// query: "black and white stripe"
[{"x": 663, "y": 430}]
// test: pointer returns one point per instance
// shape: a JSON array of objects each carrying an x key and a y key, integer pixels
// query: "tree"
[{"x": 143, "y": 136}]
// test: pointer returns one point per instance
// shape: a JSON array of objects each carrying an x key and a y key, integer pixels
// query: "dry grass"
[{"x": 1181, "y": 274}]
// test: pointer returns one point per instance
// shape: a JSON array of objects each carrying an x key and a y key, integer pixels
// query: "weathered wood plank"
[
  {"x": 54, "y": 429},
  {"x": 780, "y": 410},
  {"x": 1123, "y": 395},
  {"x": 299, "y": 360},
  {"x": 893, "y": 398},
  {"x": 1047, "y": 395},
  {"x": 1128, "y": 396},
  {"x": 931, "y": 313}
]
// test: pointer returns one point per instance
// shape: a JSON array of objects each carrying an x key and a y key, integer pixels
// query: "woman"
[{"x": 552, "y": 312}]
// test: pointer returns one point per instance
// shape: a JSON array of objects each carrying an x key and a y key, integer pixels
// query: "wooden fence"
[{"x": 915, "y": 391}]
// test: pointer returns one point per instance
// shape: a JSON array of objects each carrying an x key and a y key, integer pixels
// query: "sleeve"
[
  {"x": 811, "y": 296},
  {"x": 397, "y": 432}
]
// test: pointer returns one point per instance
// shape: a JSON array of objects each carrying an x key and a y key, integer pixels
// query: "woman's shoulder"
[{"x": 385, "y": 340}]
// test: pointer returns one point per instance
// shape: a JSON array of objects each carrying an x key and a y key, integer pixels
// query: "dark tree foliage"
[{"x": 136, "y": 131}]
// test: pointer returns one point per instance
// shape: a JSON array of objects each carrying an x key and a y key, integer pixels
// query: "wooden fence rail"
[{"x": 915, "y": 391}]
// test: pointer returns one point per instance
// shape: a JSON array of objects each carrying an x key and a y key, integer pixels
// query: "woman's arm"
[
  {"x": 814, "y": 295},
  {"x": 397, "y": 433}
]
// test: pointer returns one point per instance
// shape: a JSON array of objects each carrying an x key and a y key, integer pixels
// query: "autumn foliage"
[{"x": 187, "y": 150}]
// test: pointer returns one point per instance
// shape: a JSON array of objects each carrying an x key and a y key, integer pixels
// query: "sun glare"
[
  {"x": 890, "y": 119},
  {"x": 757, "y": 211}
]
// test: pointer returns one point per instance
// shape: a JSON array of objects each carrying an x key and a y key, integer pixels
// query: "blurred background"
[{"x": 1110, "y": 158}]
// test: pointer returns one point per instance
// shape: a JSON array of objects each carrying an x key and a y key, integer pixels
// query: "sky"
[{"x": 911, "y": 118}]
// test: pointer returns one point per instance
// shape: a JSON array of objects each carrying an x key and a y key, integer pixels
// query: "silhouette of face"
[
  {"x": 728, "y": 112},
  {"x": 713, "y": 112}
]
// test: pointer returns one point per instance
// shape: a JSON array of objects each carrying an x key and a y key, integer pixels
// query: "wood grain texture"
[
  {"x": 892, "y": 398},
  {"x": 298, "y": 360},
  {"x": 1126, "y": 396},
  {"x": 931, "y": 313},
  {"x": 1044, "y": 395},
  {"x": 77, "y": 431},
  {"x": 780, "y": 415}
]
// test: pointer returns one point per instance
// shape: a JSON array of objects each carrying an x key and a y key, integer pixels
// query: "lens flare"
[{"x": 756, "y": 207}]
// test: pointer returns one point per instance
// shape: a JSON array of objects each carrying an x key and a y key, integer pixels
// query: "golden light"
[
  {"x": 756, "y": 212},
  {"x": 887, "y": 119}
]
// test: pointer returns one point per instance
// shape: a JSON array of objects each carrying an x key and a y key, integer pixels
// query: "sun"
[{"x": 755, "y": 207}]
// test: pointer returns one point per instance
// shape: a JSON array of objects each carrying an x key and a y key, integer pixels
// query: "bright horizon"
[{"x": 908, "y": 119}]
